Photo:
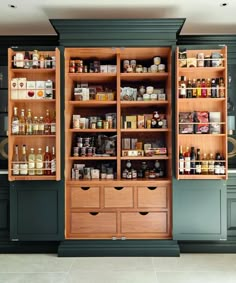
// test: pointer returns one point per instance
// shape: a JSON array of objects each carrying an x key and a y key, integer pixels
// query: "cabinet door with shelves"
[
  {"x": 201, "y": 113},
  {"x": 34, "y": 114}
]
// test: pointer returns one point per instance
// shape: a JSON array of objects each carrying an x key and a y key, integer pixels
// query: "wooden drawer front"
[
  {"x": 118, "y": 196},
  {"x": 92, "y": 222},
  {"x": 152, "y": 196},
  {"x": 84, "y": 197},
  {"x": 143, "y": 222}
]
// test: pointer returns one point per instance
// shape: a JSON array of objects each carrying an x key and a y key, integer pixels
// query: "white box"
[
  {"x": 14, "y": 88},
  {"x": 103, "y": 68},
  {"x": 40, "y": 84},
  {"x": 111, "y": 68},
  {"x": 21, "y": 84},
  {"x": 30, "y": 84}
]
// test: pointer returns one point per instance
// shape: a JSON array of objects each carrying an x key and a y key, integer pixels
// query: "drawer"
[
  {"x": 93, "y": 222},
  {"x": 155, "y": 196},
  {"x": 144, "y": 222},
  {"x": 118, "y": 196},
  {"x": 85, "y": 197}
]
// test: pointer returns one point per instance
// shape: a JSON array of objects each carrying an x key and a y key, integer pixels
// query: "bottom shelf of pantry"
[
  {"x": 202, "y": 177},
  {"x": 34, "y": 178}
]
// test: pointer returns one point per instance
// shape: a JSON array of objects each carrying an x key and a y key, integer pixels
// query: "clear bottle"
[
  {"x": 205, "y": 164},
  {"x": 198, "y": 163},
  {"x": 23, "y": 162},
  {"x": 29, "y": 123},
  {"x": 22, "y": 123},
  {"x": 187, "y": 163},
  {"x": 15, "y": 122},
  {"x": 181, "y": 160},
  {"x": 31, "y": 160},
  {"x": 211, "y": 164},
  {"x": 35, "y": 58},
  {"x": 53, "y": 124},
  {"x": 47, "y": 123},
  {"x": 182, "y": 87},
  {"x": 47, "y": 161},
  {"x": 41, "y": 61},
  {"x": 53, "y": 162},
  {"x": 35, "y": 125},
  {"x": 39, "y": 162},
  {"x": 15, "y": 162},
  {"x": 41, "y": 126}
]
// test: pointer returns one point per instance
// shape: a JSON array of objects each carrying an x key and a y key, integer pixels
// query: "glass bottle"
[
  {"x": 15, "y": 122},
  {"x": 222, "y": 88},
  {"x": 208, "y": 86},
  {"x": 198, "y": 86},
  {"x": 198, "y": 162},
  {"x": 47, "y": 123},
  {"x": 31, "y": 160},
  {"x": 217, "y": 164},
  {"x": 203, "y": 88},
  {"x": 194, "y": 88},
  {"x": 15, "y": 162},
  {"x": 53, "y": 162},
  {"x": 29, "y": 123},
  {"x": 48, "y": 62},
  {"x": 41, "y": 61},
  {"x": 41, "y": 126},
  {"x": 192, "y": 161},
  {"x": 222, "y": 167},
  {"x": 181, "y": 160},
  {"x": 27, "y": 60},
  {"x": 53, "y": 124},
  {"x": 35, "y": 58},
  {"x": 211, "y": 165},
  {"x": 213, "y": 88},
  {"x": 204, "y": 164},
  {"x": 35, "y": 125},
  {"x": 47, "y": 161},
  {"x": 23, "y": 162},
  {"x": 217, "y": 87},
  {"x": 187, "y": 162},
  {"x": 182, "y": 87},
  {"x": 189, "y": 89},
  {"x": 22, "y": 122},
  {"x": 39, "y": 162}
]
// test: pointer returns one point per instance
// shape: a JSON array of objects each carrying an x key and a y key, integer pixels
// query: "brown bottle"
[{"x": 47, "y": 161}]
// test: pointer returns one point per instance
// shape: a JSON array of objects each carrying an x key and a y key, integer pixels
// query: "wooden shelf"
[
  {"x": 92, "y": 77},
  {"x": 33, "y": 136},
  {"x": 130, "y": 104},
  {"x": 202, "y": 177},
  {"x": 93, "y": 158},
  {"x": 144, "y": 76},
  {"x": 92, "y": 130},
  {"x": 92, "y": 103},
  {"x": 34, "y": 178},
  {"x": 201, "y": 69},
  {"x": 36, "y": 71},
  {"x": 201, "y": 100},
  {"x": 155, "y": 157},
  {"x": 144, "y": 130},
  {"x": 33, "y": 100}
]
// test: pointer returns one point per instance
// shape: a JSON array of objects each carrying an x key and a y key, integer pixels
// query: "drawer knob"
[
  {"x": 151, "y": 188},
  {"x": 118, "y": 188},
  {"x": 94, "y": 213},
  {"x": 85, "y": 188},
  {"x": 143, "y": 213}
]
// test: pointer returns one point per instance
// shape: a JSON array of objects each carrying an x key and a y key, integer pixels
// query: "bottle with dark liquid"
[
  {"x": 192, "y": 161},
  {"x": 198, "y": 162},
  {"x": 181, "y": 160}
]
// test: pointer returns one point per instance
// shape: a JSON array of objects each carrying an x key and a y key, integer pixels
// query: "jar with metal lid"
[
  {"x": 72, "y": 66},
  {"x": 99, "y": 124}
]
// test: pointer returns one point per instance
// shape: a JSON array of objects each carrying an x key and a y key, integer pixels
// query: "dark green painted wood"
[
  {"x": 4, "y": 208},
  {"x": 36, "y": 211},
  {"x": 28, "y": 247},
  {"x": 199, "y": 210},
  {"x": 117, "y": 32},
  {"x": 118, "y": 248},
  {"x": 231, "y": 206}
]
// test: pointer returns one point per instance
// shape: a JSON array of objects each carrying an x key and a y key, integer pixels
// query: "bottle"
[
  {"x": 182, "y": 87},
  {"x": 143, "y": 168},
  {"x": 198, "y": 85},
  {"x": 53, "y": 124},
  {"x": 208, "y": 86},
  {"x": 181, "y": 160},
  {"x": 27, "y": 60},
  {"x": 29, "y": 123},
  {"x": 203, "y": 88},
  {"x": 23, "y": 162},
  {"x": 222, "y": 167},
  {"x": 198, "y": 162},
  {"x": 53, "y": 162},
  {"x": 39, "y": 162},
  {"x": 128, "y": 165},
  {"x": 31, "y": 160},
  {"x": 35, "y": 125},
  {"x": 222, "y": 88},
  {"x": 192, "y": 161},
  {"x": 204, "y": 164},
  {"x": 40, "y": 126},
  {"x": 22, "y": 122},
  {"x": 35, "y": 58},
  {"x": 217, "y": 164},
  {"x": 187, "y": 162},
  {"x": 213, "y": 88},
  {"x": 189, "y": 89},
  {"x": 194, "y": 87},
  {"x": 48, "y": 62},
  {"x": 217, "y": 87},
  {"x": 15, "y": 122},
  {"x": 15, "y": 162},
  {"x": 211, "y": 165},
  {"x": 47, "y": 161},
  {"x": 47, "y": 123},
  {"x": 41, "y": 61}
]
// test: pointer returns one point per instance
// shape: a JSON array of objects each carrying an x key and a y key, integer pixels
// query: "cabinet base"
[
  {"x": 118, "y": 248},
  {"x": 28, "y": 247}
]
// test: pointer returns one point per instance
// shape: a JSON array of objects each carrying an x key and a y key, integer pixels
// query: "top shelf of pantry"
[{"x": 30, "y": 71}]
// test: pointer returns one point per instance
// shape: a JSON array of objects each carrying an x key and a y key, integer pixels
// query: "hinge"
[
  {"x": 14, "y": 240},
  {"x": 114, "y": 238},
  {"x": 123, "y": 238}
]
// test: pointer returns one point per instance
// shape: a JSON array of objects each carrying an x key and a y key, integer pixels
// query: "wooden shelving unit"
[
  {"x": 38, "y": 108},
  {"x": 102, "y": 209},
  {"x": 207, "y": 143}
]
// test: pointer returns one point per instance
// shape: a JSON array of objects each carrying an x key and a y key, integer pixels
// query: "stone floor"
[{"x": 48, "y": 268}]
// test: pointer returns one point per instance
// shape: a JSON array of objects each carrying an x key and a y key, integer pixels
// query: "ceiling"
[{"x": 31, "y": 17}]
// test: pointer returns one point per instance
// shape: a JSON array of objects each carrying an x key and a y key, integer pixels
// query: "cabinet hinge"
[
  {"x": 114, "y": 238},
  {"x": 14, "y": 240},
  {"x": 123, "y": 238}
]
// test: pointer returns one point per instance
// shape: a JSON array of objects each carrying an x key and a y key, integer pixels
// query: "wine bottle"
[
  {"x": 15, "y": 160},
  {"x": 23, "y": 162},
  {"x": 181, "y": 161}
]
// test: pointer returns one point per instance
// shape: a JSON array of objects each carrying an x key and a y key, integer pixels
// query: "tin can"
[
  {"x": 89, "y": 151},
  {"x": 99, "y": 124},
  {"x": 105, "y": 124},
  {"x": 76, "y": 151},
  {"x": 83, "y": 151}
]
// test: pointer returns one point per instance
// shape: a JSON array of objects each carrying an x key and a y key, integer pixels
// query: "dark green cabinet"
[
  {"x": 231, "y": 206},
  {"x": 199, "y": 210},
  {"x": 36, "y": 211},
  {"x": 4, "y": 207}
]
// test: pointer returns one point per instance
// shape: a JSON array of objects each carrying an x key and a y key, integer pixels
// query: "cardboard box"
[
  {"x": 21, "y": 84},
  {"x": 14, "y": 88},
  {"x": 215, "y": 126},
  {"x": 140, "y": 122},
  {"x": 111, "y": 68}
]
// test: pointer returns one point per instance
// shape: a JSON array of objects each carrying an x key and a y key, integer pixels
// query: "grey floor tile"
[{"x": 32, "y": 278}]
